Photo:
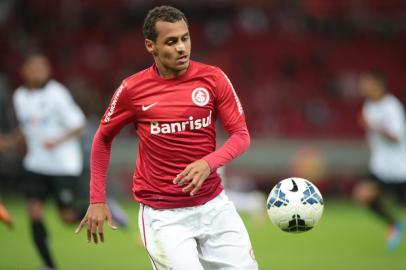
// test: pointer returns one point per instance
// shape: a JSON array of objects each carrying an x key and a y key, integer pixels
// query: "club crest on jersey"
[{"x": 200, "y": 96}]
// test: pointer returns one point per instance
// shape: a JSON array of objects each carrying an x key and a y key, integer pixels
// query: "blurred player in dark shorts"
[
  {"x": 383, "y": 119},
  {"x": 63, "y": 189},
  {"x": 50, "y": 123},
  {"x": 397, "y": 190}
]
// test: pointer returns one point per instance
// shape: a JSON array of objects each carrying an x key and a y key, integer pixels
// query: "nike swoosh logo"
[
  {"x": 144, "y": 108},
  {"x": 294, "y": 189}
]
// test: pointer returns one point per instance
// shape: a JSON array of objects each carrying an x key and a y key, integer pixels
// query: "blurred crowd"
[{"x": 295, "y": 64}]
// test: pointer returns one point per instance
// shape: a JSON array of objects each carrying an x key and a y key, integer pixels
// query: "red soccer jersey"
[{"x": 175, "y": 123}]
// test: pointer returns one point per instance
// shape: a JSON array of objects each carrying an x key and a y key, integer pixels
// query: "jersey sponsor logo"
[
  {"x": 191, "y": 124},
  {"x": 145, "y": 108},
  {"x": 237, "y": 100},
  {"x": 113, "y": 104},
  {"x": 200, "y": 96}
]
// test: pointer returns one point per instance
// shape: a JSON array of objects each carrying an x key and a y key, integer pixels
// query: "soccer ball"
[{"x": 295, "y": 205}]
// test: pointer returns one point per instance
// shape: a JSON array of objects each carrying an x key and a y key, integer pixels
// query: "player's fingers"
[
  {"x": 193, "y": 184},
  {"x": 182, "y": 174},
  {"x": 95, "y": 238},
  {"x": 101, "y": 235},
  {"x": 100, "y": 230},
  {"x": 199, "y": 183},
  {"x": 189, "y": 187},
  {"x": 89, "y": 236},
  {"x": 94, "y": 231},
  {"x": 110, "y": 222},
  {"x": 179, "y": 178},
  {"x": 187, "y": 178},
  {"x": 88, "y": 230},
  {"x": 197, "y": 187},
  {"x": 79, "y": 228}
]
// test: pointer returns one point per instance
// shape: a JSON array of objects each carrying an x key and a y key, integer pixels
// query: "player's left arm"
[
  {"x": 232, "y": 117},
  {"x": 71, "y": 116},
  {"x": 393, "y": 126},
  {"x": 12, "y": 140},
  {"x": 68, "y": 135},
  {"x": 388, "y": 136},
  {"x": 119, "y": 113}
]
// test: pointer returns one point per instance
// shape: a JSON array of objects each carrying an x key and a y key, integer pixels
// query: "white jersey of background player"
[
  {"x": 45, "y": 115},
  {"x": 383, "y": 119},
  {"x": 388, "y": 157}
]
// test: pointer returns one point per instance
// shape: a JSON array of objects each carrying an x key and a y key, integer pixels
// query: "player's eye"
[{"x": 171, "y": 42}]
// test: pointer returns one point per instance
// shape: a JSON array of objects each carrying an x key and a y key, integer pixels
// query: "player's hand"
[
  {"x": 195, "y": 173},
  {"x": 94, "y": 219},
  {"x": 50, "y": 144}
]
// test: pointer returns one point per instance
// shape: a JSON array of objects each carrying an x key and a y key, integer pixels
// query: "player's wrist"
[
  {"x": 209, "y": 163},
  {"x": 97, "y": 200}
]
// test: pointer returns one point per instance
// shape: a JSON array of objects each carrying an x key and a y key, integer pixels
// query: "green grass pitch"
[{"x": 347, "y": 237}]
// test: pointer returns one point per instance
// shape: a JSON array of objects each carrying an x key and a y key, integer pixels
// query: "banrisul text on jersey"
[{"x": 191, "y": 124}]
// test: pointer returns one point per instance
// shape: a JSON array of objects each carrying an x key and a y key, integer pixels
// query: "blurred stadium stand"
[{"x": 295, "y": 64}]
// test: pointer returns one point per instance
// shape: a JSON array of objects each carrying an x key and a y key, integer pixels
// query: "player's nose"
[{"x": 180, "y": 47}]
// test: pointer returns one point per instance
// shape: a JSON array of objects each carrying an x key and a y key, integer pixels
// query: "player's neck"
[
  {"x": 378, "y": 96},
  {"x": 168, "y": 73},
  {"x": 35, "y": 86}
]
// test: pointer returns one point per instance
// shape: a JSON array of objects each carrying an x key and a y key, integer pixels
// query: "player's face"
[
  {"x": 36, "y": 71},
  {"x": 370, "y": 88},
  {"x": 171, "y": 50}
]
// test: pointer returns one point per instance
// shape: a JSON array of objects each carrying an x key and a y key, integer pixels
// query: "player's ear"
[{"x": 150, "y": 46}]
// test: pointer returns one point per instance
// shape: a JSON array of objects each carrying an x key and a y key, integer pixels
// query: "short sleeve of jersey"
[
  {"x": 71, "y": 115},
  {"x": 118, "y": 114},
  {"x": 229, "y": 107}
]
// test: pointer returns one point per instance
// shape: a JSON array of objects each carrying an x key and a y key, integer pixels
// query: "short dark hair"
[
  {"x": 160, "y": 13},
  {"x": 378, "y": 76},
  {"x": 35, "y": 54},
  {"x": 32, "y": 54}
]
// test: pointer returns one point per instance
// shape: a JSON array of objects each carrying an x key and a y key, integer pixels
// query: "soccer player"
[
  {"x": 185, "y": 219},
  {"x": 50, "y": 122},
  {"x": 383, "y": 118}
]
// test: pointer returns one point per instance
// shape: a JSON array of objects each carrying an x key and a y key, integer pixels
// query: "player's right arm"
[
  {"x": 232, "y": 116},
  {"x": 10, "y": 141},
  {"x": 70, "y": 115},
  {"x": 14, "y": 137},
  {"x": 119, "y": 113}
]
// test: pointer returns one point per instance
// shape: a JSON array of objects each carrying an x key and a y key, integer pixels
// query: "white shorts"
[{"x": 209, "y": 236}]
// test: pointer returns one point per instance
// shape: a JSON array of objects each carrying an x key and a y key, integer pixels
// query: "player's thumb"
[{"x": 110, "y": 222}]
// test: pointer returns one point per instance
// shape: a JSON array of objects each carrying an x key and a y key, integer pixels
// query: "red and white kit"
[{"x": 175, "y": 123}]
